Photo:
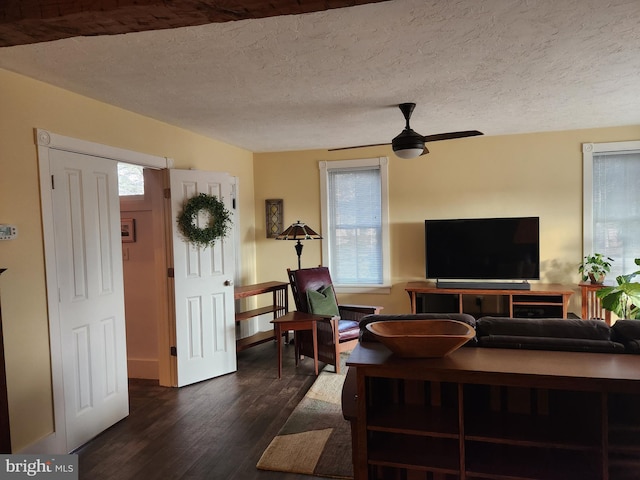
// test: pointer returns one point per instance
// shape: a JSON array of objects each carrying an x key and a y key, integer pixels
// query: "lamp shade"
[{"x": 298, "y": 231}]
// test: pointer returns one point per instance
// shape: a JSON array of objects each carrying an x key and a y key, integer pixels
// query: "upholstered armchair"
[{"x": 313, "y": 292}]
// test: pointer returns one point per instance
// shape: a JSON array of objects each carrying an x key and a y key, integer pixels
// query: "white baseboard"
[
  {"x": 143, "y": 368},
  {"x": 50, "y": 444}
]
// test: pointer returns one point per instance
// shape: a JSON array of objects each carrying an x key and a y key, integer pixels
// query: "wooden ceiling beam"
[{"x": 33, "y": 21}]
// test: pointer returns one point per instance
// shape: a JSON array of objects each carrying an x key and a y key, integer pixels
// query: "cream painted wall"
[
  {"x": 28, "y": 104},
  {"x": 536, "y": 174}
]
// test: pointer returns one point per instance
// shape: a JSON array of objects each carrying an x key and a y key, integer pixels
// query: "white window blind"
[
  {"x": 355, "y": 224},
  {"x": 355, "y": 213},
  {"x": 616, "y": 208}
]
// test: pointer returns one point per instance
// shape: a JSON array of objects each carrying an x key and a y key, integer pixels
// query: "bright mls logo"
[{"x": 51, "y": 467}]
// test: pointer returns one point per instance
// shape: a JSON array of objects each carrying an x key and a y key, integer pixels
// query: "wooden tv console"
[
  {"x": 483, "y": 413},
  {"x": 552, "y": 298}
]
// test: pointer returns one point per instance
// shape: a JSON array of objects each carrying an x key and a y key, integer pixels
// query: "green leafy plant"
[
  {"x": 624, "y": 298},
  {"x": 595, "y": 267}
]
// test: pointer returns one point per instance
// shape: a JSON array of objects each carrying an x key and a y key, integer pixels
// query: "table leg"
[
  {"x": 314, "y": 332},
  {"x": 279, "y": 346}
]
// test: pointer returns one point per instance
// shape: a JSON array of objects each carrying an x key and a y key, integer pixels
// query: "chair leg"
[{"x": 336, "y": 343}]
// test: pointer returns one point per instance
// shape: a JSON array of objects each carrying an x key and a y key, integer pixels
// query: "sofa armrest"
[
  {"x": 627, "y": 332},
  {"x": 356, "y": 312}
]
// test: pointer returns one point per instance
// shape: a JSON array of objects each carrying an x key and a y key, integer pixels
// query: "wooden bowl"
[{"x": 422, "y": 338}]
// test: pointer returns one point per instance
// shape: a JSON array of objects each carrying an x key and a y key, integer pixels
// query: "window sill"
[{"x": 377, "y": 289}]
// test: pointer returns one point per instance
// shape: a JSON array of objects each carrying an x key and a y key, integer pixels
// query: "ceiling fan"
[{"x": 410, "y": 144}]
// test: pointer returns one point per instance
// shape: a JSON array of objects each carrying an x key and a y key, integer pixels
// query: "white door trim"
[{"x": 47, "y": 141}]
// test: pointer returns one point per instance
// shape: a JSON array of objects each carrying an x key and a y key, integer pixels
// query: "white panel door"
[
  {"x": 203, "y": 286},
  {"x": 86, "y": 214}
]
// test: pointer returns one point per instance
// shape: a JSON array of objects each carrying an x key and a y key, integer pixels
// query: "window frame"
[
  {"x": 383, "y": 164},
  {"x": 588, "y": 150}
]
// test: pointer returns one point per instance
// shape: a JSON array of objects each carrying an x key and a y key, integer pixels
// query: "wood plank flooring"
[{"x": 212, "y": 430}]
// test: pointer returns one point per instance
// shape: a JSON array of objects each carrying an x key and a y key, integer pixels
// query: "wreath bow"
[{"x": 217, "y": 227}]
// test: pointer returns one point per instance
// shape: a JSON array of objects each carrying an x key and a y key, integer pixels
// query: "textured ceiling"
[{"x": 332, "y": 78}]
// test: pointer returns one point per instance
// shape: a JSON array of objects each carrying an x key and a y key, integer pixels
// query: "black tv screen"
[{"x": 483, "y": 248}]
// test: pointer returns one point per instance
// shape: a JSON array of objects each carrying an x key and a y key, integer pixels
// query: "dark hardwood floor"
[{"x": 216, "y": 429}]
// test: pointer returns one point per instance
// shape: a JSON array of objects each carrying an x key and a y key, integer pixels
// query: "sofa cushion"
[
  {"x": 367, "y": 336},
  {"x": 551, "y": 343},
  {"x": 546, "y": 334},
  {"x": 627, "y": 332},
  {"x": 348, "y": 330},
  {"x": 544, "y": 327}
]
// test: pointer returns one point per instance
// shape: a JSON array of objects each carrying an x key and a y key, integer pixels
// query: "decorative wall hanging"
[
  {"x": 217, "y": 227},
  {"x": 274, "y": 215}
]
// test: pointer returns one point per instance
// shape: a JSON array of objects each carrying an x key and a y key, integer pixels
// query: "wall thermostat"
[{"x": 8, "y": 232}]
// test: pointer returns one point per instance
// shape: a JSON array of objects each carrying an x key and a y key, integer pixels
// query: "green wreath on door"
[{"x": 217, "y": 227}]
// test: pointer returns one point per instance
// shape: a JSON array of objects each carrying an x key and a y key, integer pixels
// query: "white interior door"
[
  {"x": 86, "y": 218},
  {"x": 203, "y": 285}
]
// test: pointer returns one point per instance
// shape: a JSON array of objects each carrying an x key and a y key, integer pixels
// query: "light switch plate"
[{"x": 8, "y": 232}]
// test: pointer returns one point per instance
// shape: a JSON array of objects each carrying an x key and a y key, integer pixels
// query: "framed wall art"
[
  {"x": 274, "y": 216},
  {"x": 128, "y": 230}
]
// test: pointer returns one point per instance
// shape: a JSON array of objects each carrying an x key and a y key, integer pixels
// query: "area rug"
[{"x": 316, "y": 439}]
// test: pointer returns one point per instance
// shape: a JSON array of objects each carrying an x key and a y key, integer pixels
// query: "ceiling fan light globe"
[{"x": 409, "y": 153}]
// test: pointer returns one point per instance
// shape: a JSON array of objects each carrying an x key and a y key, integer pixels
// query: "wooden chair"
[{"x": 335, "y": 335}]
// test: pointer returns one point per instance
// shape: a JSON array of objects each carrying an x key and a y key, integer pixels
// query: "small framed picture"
[{"x": 128, "y": 230}]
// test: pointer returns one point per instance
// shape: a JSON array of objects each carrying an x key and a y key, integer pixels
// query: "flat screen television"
[{"x": 483, "y": 249}]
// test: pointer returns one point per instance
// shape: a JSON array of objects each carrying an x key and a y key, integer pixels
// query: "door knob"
[{"x": 228, "y": 283}]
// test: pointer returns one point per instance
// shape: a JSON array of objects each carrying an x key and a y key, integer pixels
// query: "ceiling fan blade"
[
  {"x": 451, "y": 135},
  {"x": 359, "y": 146}
]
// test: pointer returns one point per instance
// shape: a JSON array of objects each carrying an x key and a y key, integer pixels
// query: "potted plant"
[
  {"x": 624, "y": 298},
  {"x": 595, "y": 267}
]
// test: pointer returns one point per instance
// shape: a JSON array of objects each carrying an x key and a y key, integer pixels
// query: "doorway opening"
[{"x": 144, "y": 266}]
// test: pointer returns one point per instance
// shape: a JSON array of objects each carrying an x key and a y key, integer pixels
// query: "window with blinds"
[
  {"x": 612, "y": 204},
  {"x": 355, "y": 226}
]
